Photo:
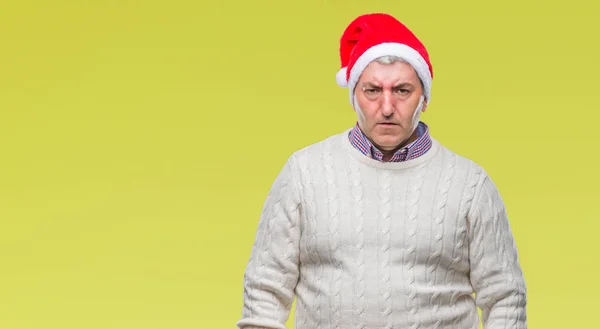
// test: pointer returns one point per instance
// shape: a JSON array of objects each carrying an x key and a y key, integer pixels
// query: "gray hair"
[{"x": 391, "y": 59}]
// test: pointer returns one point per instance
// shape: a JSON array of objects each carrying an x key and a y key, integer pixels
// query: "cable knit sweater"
[{"x": 368, "y": 244}]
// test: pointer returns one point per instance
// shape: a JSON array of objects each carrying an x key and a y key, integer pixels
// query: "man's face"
[{"x": 387, "y": 96}]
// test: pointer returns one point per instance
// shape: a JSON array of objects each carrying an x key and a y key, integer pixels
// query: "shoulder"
[
  {"x": 473, "y": 172},
  {"x": 316, "y": 151},
  {"x": 462, "y": 161},
  {"x": 481, "y": 186}
]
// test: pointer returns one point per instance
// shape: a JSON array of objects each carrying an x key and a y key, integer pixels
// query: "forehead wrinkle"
[
  {"x": 403, "y": 84},
  {"x": 405, "y": 75}
]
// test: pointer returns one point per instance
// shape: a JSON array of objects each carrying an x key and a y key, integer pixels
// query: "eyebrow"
[{"x": 400, "y": 85}]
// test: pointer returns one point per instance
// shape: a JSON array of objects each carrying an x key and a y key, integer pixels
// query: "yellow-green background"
[{"x": 138, "y": 140}]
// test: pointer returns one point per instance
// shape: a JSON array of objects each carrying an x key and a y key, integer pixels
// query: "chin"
[{"x": 388, "y": 142}]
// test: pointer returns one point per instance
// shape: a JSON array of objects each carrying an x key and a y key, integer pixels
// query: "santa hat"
[{"x": 371, "y": 36}]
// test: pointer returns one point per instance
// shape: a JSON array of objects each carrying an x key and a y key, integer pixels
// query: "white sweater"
[{"x": 368, "y": 244}]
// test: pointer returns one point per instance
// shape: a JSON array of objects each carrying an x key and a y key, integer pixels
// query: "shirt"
[{"x": 411, "y": 151}]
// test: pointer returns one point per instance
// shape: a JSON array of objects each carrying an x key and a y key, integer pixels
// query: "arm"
[
  {"x": 496, "y": 274},
  {"x": 272, "y": 272}
]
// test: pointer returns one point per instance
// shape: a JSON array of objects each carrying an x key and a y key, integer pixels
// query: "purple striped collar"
[{"x": 411, "y": 151}]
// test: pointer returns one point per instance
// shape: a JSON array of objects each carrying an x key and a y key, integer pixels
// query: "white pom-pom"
[{"x": 340, "y": 77}]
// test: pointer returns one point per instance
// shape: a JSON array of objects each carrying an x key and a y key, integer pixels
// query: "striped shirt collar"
[{"x": 411, "y": 151}]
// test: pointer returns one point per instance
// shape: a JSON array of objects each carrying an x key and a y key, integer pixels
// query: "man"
[{"x": 381, "y": 226}]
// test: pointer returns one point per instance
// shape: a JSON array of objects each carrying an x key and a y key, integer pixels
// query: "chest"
[{"x": 414, "y": 219}]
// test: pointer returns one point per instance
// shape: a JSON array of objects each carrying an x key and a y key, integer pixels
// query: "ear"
[{"x": 424, "y": 106}]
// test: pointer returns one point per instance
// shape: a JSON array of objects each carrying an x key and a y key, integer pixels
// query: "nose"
[{"x": 387, "y": 104}]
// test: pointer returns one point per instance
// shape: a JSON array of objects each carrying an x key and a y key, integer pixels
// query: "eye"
[
  {"x": 402, "y": 91},
  {"x": 371, "y": 91}
]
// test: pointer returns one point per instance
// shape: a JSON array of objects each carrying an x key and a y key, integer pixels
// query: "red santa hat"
[{"x": 371, "y": 36}]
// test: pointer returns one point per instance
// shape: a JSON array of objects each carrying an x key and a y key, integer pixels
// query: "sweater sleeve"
[
  {"x": 496, "y": 274},
  {"x": 272, "y": 271}
]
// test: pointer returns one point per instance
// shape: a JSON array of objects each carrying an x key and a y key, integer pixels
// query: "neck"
[
  {"x": 358, "y": 155},
  {"x": 389, "y": 152}
]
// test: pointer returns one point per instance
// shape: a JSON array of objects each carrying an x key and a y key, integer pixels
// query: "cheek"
[
  {"x": 406, "y": 111},
  {"x": 365, "y": 110}
]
